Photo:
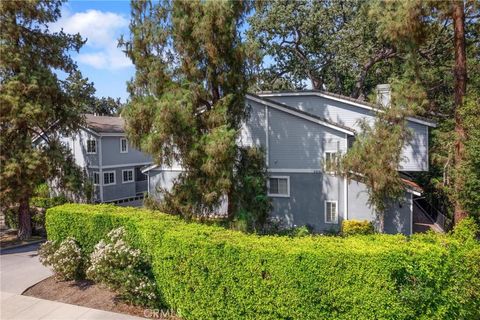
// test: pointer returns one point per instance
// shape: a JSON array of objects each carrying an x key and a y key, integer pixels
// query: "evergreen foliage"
[
  {"x": 187, "y": 96},
  {"x": 34, "y": 102}
]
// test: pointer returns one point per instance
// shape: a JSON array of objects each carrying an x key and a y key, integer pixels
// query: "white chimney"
[{"x": 384, "y": 95}]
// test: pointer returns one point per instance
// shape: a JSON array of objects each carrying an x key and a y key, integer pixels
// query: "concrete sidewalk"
[
  {"x": 18, "y": 307},
  {"x": 21, "y": 269}
]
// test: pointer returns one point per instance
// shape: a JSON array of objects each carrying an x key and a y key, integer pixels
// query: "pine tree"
[
  {"x": 187, "y": 96},
  {"x": 34, "y": 102}
]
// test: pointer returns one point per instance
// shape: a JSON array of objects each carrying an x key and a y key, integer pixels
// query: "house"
[
  {"x": 113, "y": 165},
  {"x": 301, "y": 132}
]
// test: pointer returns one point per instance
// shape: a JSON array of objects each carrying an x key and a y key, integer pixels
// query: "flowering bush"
[
  {"x": 65, "y": 259},
  {"x": 121, "y": 268}
]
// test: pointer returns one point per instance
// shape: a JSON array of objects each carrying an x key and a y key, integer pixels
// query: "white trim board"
[
  {"x": 326, "y": 96},
  {"x": 299, "y": 114},
  {"x": 122, "y": 165}
]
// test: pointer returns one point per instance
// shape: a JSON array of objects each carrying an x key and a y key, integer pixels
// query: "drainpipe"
[{"x": 100, "y": 169}]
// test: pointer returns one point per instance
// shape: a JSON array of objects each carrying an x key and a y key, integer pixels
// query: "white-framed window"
[
  {"x": 279, "y": 186},
  {"x": 91, "y": 146},
  {"x": 96, "y": 178},
  {"x": 127, "y": 176},
  {"x": 123, "y": 145},
  {"x": 330, "y": 161},
  {"x": 108, "y": 178},
  {"x": 331, "y": 211}
]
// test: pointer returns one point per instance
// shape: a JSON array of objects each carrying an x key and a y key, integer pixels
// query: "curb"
[{"x": 16, "y": 246}]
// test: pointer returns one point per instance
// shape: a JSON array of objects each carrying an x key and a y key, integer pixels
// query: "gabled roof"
[
  {"x": 105, "y": 124},
  {"x": 301, "y": 114},
  {"x": 341, "y": 98}
]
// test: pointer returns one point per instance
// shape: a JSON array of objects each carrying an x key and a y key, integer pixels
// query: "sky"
[{"x": 101, "y": 23}]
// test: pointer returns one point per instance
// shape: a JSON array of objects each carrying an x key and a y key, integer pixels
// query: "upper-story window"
[
  {"x": 91, "y": 146},
  {"x": 331, "y": 212},
  {"x": 331, "y": 160},
  {"x": 279, "y": 186},
  {"x": 123, "y": 145}
]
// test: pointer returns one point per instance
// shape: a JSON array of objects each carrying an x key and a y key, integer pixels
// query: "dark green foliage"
[
  {"x": 332, "y": 44},
  {"x": 187, "y": 97},
  {"x": 206, "y": 272},
  {"x": 47, "y": 203},
  {"x": 36, "y": 106},
  {"x": 354, "y": 227},
  {"x": 252, "y": 202}
]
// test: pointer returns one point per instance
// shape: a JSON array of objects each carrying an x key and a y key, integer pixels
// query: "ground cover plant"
[{"x": 205, "y": 272}]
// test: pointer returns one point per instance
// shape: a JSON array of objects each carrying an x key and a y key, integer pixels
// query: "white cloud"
[{"x": 102, "y": 30}]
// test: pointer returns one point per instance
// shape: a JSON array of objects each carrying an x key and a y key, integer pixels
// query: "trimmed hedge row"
[{"x": 206, "y": 272}]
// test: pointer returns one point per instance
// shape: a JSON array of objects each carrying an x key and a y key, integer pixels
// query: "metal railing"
[{"x": 433, "y": 213}]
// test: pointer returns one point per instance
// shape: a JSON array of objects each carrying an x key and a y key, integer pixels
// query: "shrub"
[
  {"x": 352, "y": 227},
  {"x": 206, "y": 272},
  {"x": 122, "y": 268},
  {"x": 46, "y": 203},
  {"x": 65, "y": 259}
]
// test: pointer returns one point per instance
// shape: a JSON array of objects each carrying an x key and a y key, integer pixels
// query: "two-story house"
[
  {"x": 301, "y": 132},
  {"x": 113, "y": 165}
]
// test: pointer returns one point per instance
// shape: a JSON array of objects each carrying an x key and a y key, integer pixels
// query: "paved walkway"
[{"x": 21, "y": 269}]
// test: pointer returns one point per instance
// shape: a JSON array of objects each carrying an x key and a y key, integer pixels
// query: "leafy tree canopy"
[
  {"x": 34, "y": 102},
  {"x": 187, "y": 96}
]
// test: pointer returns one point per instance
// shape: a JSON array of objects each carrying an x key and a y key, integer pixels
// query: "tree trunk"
[
  {"x": 460, "y": 73},
  {"x": 24, "y": 220}
]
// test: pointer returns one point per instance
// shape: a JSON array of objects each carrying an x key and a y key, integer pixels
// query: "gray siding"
[
  {"x": 306, "y": 204},
  {"x": 295, "y": 143},
  {"x": 398, "y": 219},
  {"x": 415, "y": 152},
  {"x": 119, "y": 190},
  {"x": 111, "y": 154},
  {"x": 253, "y": 131},
  {"x": 161, "y": 179},
  {"x": 335, "y": 111}
]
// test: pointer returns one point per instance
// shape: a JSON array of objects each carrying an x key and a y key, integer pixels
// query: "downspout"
[
  {"x": 100, "y": 169},
  {"x": 345, "y": 186},
  {"x": 266, "y": 137}
]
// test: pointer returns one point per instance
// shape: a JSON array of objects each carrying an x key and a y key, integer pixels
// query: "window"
[
  {"x": 279, "y": 186},
  {"x": 331, "y": 215},
  {"x": 127, "y": 176},
  {"x": 96, "y": 178},
  {"x": 331, "y": 158},
  {"x": 123, "y": 145},
  {"x": 91, "y": 146},
  {"x": 108, "y": 178}
]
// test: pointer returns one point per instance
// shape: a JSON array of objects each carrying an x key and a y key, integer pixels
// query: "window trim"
[
  {"x": 133, "y": 176},
  {"x": 126, "y": 145},
  {"x": 96, "y": 145},
  {"x": 325, "y": 160},
  {"x": 114, "y": 178},
  {"x": 336, "y": 213},
  {"x": 276, "y": 195},
  {"x": 93, "y": 175}
]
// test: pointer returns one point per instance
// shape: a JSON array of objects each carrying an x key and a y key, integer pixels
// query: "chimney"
[{"x": 384, "y": 95}]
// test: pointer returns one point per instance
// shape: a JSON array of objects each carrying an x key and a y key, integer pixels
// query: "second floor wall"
[{"x": 415, "y": 153}]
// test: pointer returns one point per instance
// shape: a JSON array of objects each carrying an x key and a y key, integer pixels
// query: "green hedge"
[
  {"x": 206, "y": 272},
  {"x": 353, "y": 227}
]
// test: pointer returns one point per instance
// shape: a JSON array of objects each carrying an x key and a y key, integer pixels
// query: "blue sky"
[{"x": 102, "y": 23}]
